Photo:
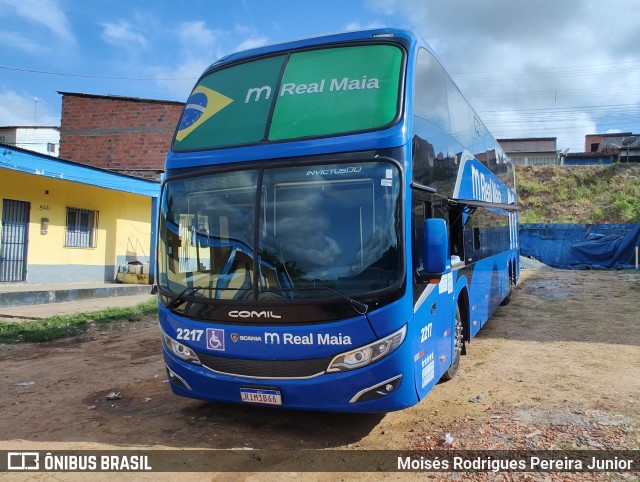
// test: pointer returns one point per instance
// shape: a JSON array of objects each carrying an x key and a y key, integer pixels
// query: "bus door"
[
  {"x": 434, "y": 321},
  {"x": 434, "y": 315}
]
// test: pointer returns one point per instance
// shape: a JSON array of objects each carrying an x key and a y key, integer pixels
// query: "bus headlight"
[
  {"x": 178, "y": 349},
  {"x": 367, "y": 354}
]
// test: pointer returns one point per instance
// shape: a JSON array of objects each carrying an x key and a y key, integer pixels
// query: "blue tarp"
[
  {"x": 613, "y": 251},
  {"x": 581, "y": 246}
]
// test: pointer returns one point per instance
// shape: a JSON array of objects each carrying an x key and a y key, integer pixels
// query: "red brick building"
[
  {"x": 623, "y": 146},
  {"x": 124, "y": 134}
]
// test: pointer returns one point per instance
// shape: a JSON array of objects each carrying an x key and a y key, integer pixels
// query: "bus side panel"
[
  {"x": 424, "y": 346},
  {"x": 489, "y": 286},
  {"x": 444, "y": 329},
  {"x": 433, "y": 335}
]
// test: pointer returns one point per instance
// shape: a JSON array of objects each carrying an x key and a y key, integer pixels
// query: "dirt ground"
[{"x": 557, "y": 368}]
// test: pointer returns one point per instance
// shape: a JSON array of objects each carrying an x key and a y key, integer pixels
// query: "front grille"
[{"x": 265, "y": 368}]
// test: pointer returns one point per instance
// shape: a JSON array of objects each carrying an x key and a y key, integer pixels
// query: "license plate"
[{"x": 261, "y": 396}]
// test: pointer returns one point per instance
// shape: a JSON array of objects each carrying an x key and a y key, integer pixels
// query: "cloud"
[
  {"x": 197, "y": 48},
  {"x": 123, "y": 34},
  {"x": 251, "y": 43},
  {"x": 187, "y": 72},
  {"x": 19, "y": 42},
  {"x": 537, "y": 69},
  {"x": 568, "y": 127},
  {"x": 46, "y": 13},
  {"x": 357, "y": 25},
  {"x": 196, "y": 35},
  {"x": 385, "y": 7},
  {"x": 252, "y": 38},
  {"x": 200, "y": 46},
  {"x": 21, "y": 109}
]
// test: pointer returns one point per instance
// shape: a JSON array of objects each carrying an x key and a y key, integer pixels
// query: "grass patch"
[
  {"x": 579, "y": 194},
  {"x": 56, "y": 327}
]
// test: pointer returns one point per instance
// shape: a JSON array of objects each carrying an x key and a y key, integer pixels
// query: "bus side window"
[
  {"x": 476, "y": 238},
  {"x": 418, "y": 215},
  {"x": 421, "y": 210},
  {"x": 456, "y": 230},
  {"x": 431, "y": 117}
]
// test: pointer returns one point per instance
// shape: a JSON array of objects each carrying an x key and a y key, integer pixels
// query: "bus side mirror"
[{"x": 436, "y": 246}]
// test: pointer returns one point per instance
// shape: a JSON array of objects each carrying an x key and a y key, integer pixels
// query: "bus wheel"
[
  {"x": 458, "y": 345},
  {"x": 507, "y": 298}
]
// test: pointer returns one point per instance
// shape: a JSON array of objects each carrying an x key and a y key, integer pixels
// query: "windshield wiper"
[
  {"x": 361, "y": 308},
  {"x": 180, "y": 298}
]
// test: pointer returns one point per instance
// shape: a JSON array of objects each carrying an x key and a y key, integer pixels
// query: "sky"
[{"x": 544, "y": 68}]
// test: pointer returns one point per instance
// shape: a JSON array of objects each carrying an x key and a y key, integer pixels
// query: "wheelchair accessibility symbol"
[{"x": 215, "y": 339}]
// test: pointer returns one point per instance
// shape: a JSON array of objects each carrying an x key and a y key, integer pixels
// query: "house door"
[{"x": 13, "y": 240}]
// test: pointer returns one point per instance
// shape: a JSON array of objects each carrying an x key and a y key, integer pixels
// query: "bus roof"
[{"x": 349, "y": 36}]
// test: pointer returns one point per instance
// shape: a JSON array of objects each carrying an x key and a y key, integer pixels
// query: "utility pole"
[{"x": 627, "y": 141}]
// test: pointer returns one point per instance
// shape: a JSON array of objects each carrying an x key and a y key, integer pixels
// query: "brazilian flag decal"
[
  {"x": 202, "y": 104},
  {"x": 230, "y": 106}
]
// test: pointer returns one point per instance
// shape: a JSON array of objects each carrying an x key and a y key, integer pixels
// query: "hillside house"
[{"x": 531, "y": 151}]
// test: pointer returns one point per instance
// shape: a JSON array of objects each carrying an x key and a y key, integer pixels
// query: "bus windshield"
[
  {"x": 300, "y": 95},
  {"x": 317, "y": 230}
]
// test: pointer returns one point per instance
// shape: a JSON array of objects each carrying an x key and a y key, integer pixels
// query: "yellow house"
[{"x": 67, "y": 222}]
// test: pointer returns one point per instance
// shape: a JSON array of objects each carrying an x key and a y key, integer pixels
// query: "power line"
[
  {"x": 87, "y": 76},
  {"x": 568, "y": 71},
  {"x": 466, "y": 76},
  {"x": 568, "y": 109}
]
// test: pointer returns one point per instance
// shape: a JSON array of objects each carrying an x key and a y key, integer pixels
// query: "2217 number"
[{"x": 189, "y": 335}]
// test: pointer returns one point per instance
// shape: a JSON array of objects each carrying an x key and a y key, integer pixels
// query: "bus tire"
[
  {"x": 458, "y": 347},
  {"x": 507, "y": 298}
]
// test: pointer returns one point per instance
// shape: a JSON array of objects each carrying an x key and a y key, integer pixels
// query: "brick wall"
[
  {"x": 602, "y": 142},
  {"x": 117, "y": 133}
]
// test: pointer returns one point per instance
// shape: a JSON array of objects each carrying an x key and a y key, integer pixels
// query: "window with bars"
[{"x": 82, "y": 228}]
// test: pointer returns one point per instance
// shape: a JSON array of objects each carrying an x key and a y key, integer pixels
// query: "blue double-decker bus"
[{"x": 335, "y": 224}]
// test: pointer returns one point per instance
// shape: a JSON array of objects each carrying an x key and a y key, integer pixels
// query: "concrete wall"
[
  {"x": 533, "y": 144},
  {"x": 124, "y": 228},
  {"x": 533, "y": 159},
  {"x": 37, "y": 139}
]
